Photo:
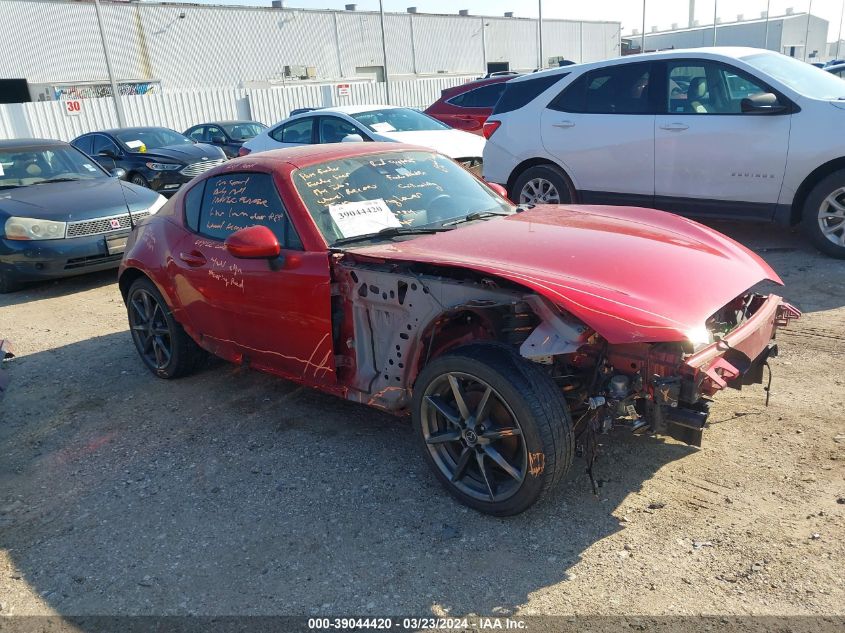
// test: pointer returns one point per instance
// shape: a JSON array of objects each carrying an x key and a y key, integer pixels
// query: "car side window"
[
  {"x": 621, "y": 89},
  {"x": 704, "y": 87},
  {"x": 192, "y": 203},
  {"x": 198, "y": 134},
  {"x": 212, "y": 131},
  {"x": 103, "y": 143},
  {"x": 83, "y": 144},
  {"x": 333, "y": 129},
  {"x": 298, "y": 131},
  {"x": 235, "y": 201},
  {"x": 483, "y": 97}
]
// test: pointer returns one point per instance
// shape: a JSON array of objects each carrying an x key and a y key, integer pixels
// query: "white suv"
[{"x": 735, "y": 133}]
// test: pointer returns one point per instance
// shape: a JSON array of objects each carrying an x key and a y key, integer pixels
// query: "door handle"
[
  {"x": 193, "y": 259},
  {"x": 564, "y": 124},
  {"x": 675, "y": 127}
]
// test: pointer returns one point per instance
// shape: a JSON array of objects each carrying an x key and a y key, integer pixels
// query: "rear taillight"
[
  {"x": 490, "y": 127},
  {"x": 243, "y": 151}
]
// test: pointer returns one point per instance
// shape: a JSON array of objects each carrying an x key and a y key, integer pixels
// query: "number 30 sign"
[{"x": 73, "y": 108}]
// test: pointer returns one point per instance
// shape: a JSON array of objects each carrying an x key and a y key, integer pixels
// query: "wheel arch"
[
  {"x": 807, "y": 185},
  {"x": 128, "y": 277},
  {"x": 449, "y": 330}
]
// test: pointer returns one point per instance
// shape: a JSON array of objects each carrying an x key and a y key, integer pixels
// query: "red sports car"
[
  {"x": 466, "y": 107},
  {"x": 389, "y": 275}
]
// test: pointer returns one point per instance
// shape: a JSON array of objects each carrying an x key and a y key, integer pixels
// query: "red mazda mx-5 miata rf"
[{"x": 388, "y": 275}]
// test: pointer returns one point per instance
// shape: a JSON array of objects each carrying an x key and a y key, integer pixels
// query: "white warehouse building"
[
  {"x": 188, "y": 46},
  {"x": 795, "y": 34}
]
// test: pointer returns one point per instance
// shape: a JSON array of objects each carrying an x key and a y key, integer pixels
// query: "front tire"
[
  {"x": 823, "y": 217},
  {"x": 162, "y": 344},
  {"x": 7, "y": 284},
  {"x": 542, "y": 184},
  {"x": 494, "y": 428},
  {"x": 138, "y": 179}
]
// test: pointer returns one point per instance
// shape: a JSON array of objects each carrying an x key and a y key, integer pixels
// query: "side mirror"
[
  {"x": 352, "y": 138},
  {"x": 108, "y": 153},
  {"x": 218, "y": 139},
  {"x": 253, "y": 242},
  {"x": 498, "y": 189},
  {"x": 763, "y": 103},
  {"x": 118, "y": 173}
]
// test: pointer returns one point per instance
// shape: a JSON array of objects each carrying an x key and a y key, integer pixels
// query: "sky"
[{"x": 660, "y": 13}]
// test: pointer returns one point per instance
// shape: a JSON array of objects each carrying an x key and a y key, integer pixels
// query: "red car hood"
[{"x": 629, "y": 273}]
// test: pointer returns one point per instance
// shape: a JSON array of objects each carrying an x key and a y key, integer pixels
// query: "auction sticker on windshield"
[
  {"x": 362, "y": 218},
  {"x": 383, "y": 126}
]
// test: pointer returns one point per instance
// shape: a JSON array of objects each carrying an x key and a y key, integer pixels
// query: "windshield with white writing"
[{"x": 362, "y": 195}]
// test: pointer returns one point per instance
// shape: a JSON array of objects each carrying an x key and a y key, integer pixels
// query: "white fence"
[{"x": 180, "y": 110}]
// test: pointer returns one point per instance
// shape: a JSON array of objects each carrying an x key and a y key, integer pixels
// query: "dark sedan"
[
  {"x": 155, "y": 157},
  {"x": 227, "y": 135},
  {"x": 61, "y": 214}
]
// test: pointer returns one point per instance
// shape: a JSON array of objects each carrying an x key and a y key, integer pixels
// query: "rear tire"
[
  {"x": 164, "y": 347},
  {"x": 823, "y": 216},
  {"x": 498, "y": 458},
  {"x": 542, "y": 184}
]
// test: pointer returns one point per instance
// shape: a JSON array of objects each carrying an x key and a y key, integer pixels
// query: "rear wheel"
[
  {"x": 542, "y": 184},
  {"x": 162, "y": 344},
  {"x": 494, "y": 429},
  {"x": 823, "y": 215}
]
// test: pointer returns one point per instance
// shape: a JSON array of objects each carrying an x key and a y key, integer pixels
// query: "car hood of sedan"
[
  {"x": 78, "y": 200},
  {"x": 453, "y": 143},
  {"x": 184, "y": 153},
  {"x": 631, "y": 274}
]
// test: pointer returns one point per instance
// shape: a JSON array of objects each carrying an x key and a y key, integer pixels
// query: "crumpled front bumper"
[
  {"x": 745, "y": 348},
  {"x": 737, "y": 359}
]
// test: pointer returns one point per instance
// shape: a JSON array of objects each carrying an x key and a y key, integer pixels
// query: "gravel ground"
[{"x": 232, "y": 492}]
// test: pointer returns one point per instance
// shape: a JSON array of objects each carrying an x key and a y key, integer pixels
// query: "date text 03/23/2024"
[{"x": 416, "y": 624}]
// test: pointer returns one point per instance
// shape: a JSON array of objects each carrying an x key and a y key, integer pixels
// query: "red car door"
[{"x": 273, "y": 315}]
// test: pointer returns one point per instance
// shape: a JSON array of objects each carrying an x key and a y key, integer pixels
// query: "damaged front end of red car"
[{"x": 666, "y": 388}]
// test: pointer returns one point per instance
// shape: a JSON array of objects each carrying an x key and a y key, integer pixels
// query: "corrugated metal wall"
[
  {"x": 180, "y": 110},
  {"x": 783, "y": 32},
  {"x": 213, "y": 46}
]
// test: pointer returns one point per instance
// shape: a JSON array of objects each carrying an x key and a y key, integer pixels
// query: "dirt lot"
[{"x": 232, "y": 492}]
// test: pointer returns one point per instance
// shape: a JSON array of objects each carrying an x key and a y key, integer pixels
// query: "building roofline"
[
  {"x": 709, "y": 27},
  {"x": 231, "y": 7}
]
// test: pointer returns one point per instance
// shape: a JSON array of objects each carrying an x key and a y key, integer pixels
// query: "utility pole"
[
  {"x": 715, "y": 9},
  {"x": 384, "y": 51},
  {"x": 642, "y": 40},
  {"x": 766, "y": 38},
  {"x": 807, "y": 32},
  {"x": 839, "y": 37},
  {"x": 121, "y": 118},
  {"x": 540, "y": 65}
]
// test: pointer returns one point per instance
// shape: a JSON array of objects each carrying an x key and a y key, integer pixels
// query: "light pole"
[
  {"x": 839, "y": 37},
  {"x": 807, "y": 31},
  {"x": 715, "y": 13},
  {"x": 642, "y": 39},
  {"x": 121, "y": 118},
  {"x": 540, "y": 64},
  {"x": 766, "y": 37},
  {"x": 384, "y": 51}
]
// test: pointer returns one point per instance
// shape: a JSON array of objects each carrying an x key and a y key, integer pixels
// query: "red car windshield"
[{"x": 362, "y": 195}]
